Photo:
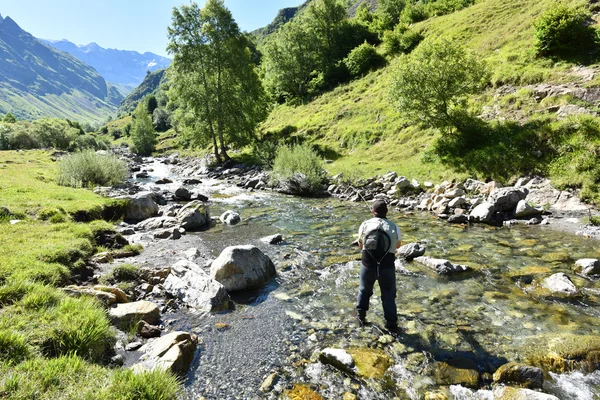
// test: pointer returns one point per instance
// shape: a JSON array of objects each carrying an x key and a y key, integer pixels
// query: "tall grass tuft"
[
  {"x": 298, "y": 159},
  {"x": 155, "y": 385},
  {"x": 88, "y": 168},
  {"x": 13, "y": 348}
]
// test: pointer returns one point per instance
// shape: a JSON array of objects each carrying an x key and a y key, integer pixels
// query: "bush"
[
  {"x": 298, "y": 159},
  {"x": 126, "y": 272},
  {"x": 431, "y": 85},
  {"x": 88, "y": 168},
  {"x": 401, "y": 40},
  {"x": 562, "y": 31},
  {"x": 142, "y": 132},
  {"x": 414, "y": 13},
  {"x": 362, "y": 59}
]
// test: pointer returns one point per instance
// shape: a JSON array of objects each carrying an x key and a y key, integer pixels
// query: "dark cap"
[{"x": 380, "y": 208}]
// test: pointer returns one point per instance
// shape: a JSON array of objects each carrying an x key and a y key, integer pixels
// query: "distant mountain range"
[
  {"x": 116, "y": 66},
  {"x": 37, "y": 80}
]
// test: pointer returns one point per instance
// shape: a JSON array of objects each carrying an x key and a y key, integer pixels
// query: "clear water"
[{"x": 485, "y": 316}]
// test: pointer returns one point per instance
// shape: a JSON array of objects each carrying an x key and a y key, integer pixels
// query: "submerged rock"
[
  {"x": 521, "y": 375},
  {"x": 564, "y": 352},
  {"x": 189, "y": 283},
  {"x": 441, "y": 266},
  {"x": 509, "y": 393},
  {"x": 410, "y": 251},
  {"x": 560, "y": 283},
  {"x": 173, "y": 352},
  {"x": 242, "y": 268},
  {"x": 370, "y": 363},
  {"x": 457, "y": 372}
]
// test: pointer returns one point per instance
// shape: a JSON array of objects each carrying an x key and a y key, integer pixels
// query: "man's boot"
[{"x": 362, "y": 317}]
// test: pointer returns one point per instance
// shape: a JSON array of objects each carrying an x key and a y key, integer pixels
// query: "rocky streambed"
[{"x": 482, "y": 296}]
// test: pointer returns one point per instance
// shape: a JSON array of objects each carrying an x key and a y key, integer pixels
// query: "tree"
[
  {"x": 431, "y": 84},
  {"x": 151, "y": 103},
  {"x": 142, "y": 132},
  {"x": 9, "y": 118},
  {"x": 214, "y": 77}
]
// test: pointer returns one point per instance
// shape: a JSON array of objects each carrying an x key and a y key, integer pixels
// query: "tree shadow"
[{"x": 494, "y": 149}]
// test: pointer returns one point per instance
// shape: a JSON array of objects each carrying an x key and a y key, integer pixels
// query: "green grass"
[
  {"x": 52, "y": 345},
  {"x": 357, "y": 128}
]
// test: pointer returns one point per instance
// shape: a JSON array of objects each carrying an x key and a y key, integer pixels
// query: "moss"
[
  {"x": 564, "y": 353},
  {"x": 446, "y": 374},
  {"x": 302, "y": 392},
  {"x": 371, "y": 363}
]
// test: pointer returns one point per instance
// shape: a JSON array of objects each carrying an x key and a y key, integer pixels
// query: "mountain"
[
  {"x": 37, "y": 80},
  {"x": 149, "y": 85},
  {"x": 116, "y": 66}
]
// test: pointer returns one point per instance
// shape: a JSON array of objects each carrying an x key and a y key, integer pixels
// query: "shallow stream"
[{"x": 484, "y": 316}]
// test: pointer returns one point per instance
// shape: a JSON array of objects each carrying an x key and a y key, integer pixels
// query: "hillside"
[
  {"x": 357, "y": 127},
  {"x": 37, "y": 80},
  {"x": 116, "y": 66},
  {"x": 149, "y": 85}
]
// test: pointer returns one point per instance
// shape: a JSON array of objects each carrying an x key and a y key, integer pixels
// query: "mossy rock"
[
  {"x": 371, "y": 363},
  {"x": 556, "y": 257},
  {"x": 457, "y": 372},
  {"x": 302, "y": 392},
  {"x": 519, "y": 375},
  {"x": 529, "y": 272},
  {"x": 564, "y": 353}
]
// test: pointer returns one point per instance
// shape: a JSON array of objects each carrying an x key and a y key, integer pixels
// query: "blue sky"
[{"x": 139, "y": 25}]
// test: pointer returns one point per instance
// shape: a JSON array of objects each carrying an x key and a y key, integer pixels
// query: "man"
[{"x": 378, "y": 238}]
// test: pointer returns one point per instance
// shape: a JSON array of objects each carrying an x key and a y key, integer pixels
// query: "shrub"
[
  {"x": 291, "y": 160},
  {"x": 142, "y": 132},
  {"x": 126, "y": 272},
  {"x": 401, "y": 40},
  {"x": 362, "y": 59},
  {"x": 13, "y": 348},
  {"x": 595, "y": 220},
  {"x": 414, "y": 13},
  {"x": 265, "y": 151},
  {"x": 88, "y": 168},
  {"x": 562, "y": 31},
  {"x": 431, "y": 85},
  {"x": 9, "y": 118}
]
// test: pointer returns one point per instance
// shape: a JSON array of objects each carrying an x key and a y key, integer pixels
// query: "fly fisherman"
[{"x": 378, "y": 238}]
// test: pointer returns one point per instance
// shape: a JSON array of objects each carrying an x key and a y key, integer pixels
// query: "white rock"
[
  {"x": 483, "y": 212},
  {"x": 453, "y": 193},
  {"x": 140, "y": 207},
  {"x": 174, "y": 352},
  {"x": 123, "y": 315},
  {"x": 441, "y": 266},
  {"x": 338, "y": 358},
  {"x": 589, "y": 266},
  {"x": 524, "y": 210},
  {"x": 230, "y": 217},
  {"x": 560, "y": 283},
  {"x": 457, "y": 202},
  {"x": 521, "y": 394},
  {"x": 427, "y": 185},
  {"x": 242, "y": 268},
  {"x": 189, "y": 283}
]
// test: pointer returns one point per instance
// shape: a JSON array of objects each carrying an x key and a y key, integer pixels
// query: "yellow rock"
[
  {"x": 349, "y": 396},
  {"x": 302, "y": 392},
  {"x": 446, "y": 374},
  {"x": 371, "y": 363},
  {"x": 564, "y": 353}
]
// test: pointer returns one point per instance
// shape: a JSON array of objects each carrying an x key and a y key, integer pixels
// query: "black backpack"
[{"x": 377, "y": 243}]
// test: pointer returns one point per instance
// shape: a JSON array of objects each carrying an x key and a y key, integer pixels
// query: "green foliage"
[
  {"x": 13, "y": 348},
  {"x": 401, "y": 40},
  {"x": 150, "y": 85},
  {"x": 432, "y": 83},
  {"x": 414, "y": 13},
  {"x": 362, "y": 59},
  {"x": 9, "y": 118},
  {"x": 161, "y": 120},
  {"x": 221, "y": 97},
  {"x": 595, "y": 220},
  {"x": 125, "y": 273},
  {"x": 151, "y": 103},
  {"x": 152, "y": 385},
  {"x": 562, "y": 31},
  {"x": 142, "y": 132},
  {"x": 298, "y": 159},
  {"x": 89, "y": 168}
]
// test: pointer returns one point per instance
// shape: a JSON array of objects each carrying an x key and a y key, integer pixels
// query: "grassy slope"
[
  {"x": 52, "y": 345},
  {"x": 358, "y": 123}
]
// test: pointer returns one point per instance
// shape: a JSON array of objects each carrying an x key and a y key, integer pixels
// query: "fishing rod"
[{"x": 361, "y": 196}]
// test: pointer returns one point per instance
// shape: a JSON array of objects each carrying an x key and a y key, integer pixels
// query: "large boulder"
[
  {"x": 174, "y": 352},
  {"x": 242, "y": 268},
  {"x": 189, "y": 283},
  {"x": 525, "y": 210},
  {"x": 182, "y": 193},
  {"x": 194, "y": 216},
  {"x": 125, "y": 315},
  {"x": 410, "y": 251},
  {"x": 588, "y": 266},
  {"x": 484, "y": 212},
  {"x": 520, "y": 375},
  {"x": 141, "y": 206},
  {"x": 506, "y": 199},
  {"x": 441, "y": 266}
]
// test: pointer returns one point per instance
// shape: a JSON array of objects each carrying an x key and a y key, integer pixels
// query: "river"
[{"x": 486, "y": 316}]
